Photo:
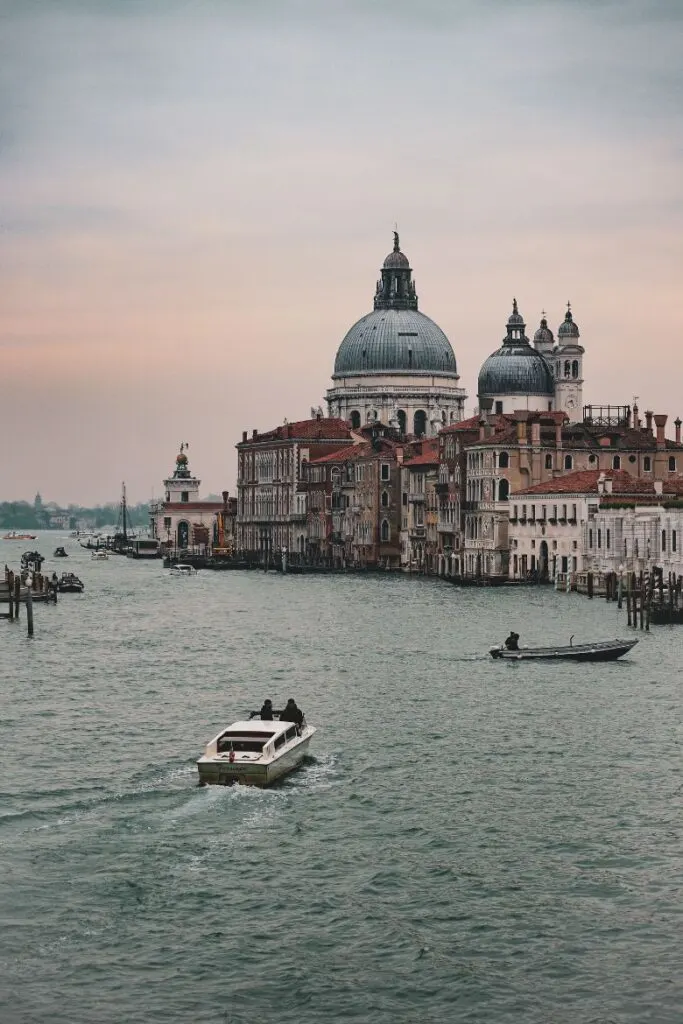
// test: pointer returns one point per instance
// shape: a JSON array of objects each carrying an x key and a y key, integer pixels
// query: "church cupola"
[
  {"x": 544, "y": 339},
  {"x": 568, "y": 357},
  {"x": 396, "y": 288},
  {"x": 568, "y": 329}
]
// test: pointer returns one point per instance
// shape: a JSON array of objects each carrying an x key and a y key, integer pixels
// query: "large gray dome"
[
  {"x": 395, "y": 341},
  {"x": 516, "y": 368}
]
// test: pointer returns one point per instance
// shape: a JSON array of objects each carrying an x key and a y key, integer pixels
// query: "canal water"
[{"x": 470, "y": 841}]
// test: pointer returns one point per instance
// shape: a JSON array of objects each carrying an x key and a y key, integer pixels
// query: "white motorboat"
[
  {"x": 254, "y": 753},
  {"x": 183, "y": 570},
  {"x": 99, "y": 555}
]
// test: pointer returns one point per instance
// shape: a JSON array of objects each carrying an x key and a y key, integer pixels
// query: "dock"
[{"x": 14, "y": 592}]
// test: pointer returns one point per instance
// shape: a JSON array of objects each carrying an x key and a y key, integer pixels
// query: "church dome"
[
  {"x": 395, "y": 337},
  {"x": 395, "y": 341},
  {"x": 568, "y": 328},
  {"x": 516, "y": 368},
  {"x": 544, "y": 336}
]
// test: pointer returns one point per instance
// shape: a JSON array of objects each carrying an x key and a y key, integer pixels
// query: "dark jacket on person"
[
  {"x": 512, "y": 643},
  {"x": 292, "y": 713},
  {"x": 266, "y": 712}
]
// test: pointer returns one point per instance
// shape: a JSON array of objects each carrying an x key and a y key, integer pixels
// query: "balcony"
[
  {"x": 417, "y": 531},
  {"x": 416, "y": 497}
]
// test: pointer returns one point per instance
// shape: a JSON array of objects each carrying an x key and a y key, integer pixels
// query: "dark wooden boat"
[
  {"x": 60, "y": 553},
  {"x": 601, "y": 650},
  {"x": 69, "y": 584}
]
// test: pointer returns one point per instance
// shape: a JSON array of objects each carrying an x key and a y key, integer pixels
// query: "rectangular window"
[
  {"x": 574, "y": 512},
  {"x": 167, "y": 524},
  {"x": 673, "y": 540},
  {"x": 499, "y": 408},
  {"x": 542, "y": 511},
  {"x": 574, "y": 563},
  {"x": 607, "y": 539},
  {"x": 184, "y": 495},
  {"x": 533, "y": 513},
  {"x": 564, "y": 511},
  {"x": 663, "y": 540},
  {"x": 590, "y": 538},
  {"x": 599, "y": 538},
  {"x": 514, "y": 512},
  {"x": 386, "y": 470},
  {"x": 575, "y": 544}
]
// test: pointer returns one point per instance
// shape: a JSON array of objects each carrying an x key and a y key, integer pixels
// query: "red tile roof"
[
  {"x": 586, "y": 482},
  {"x": 427, "y": 453},
  {"x": 326, "y": 429},
  {"x": 191, "y": 506}
]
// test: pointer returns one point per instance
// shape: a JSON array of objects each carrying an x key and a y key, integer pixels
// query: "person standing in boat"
[
  {"x": 512, "y": 642},
  {"x": 267, "y": 710}
]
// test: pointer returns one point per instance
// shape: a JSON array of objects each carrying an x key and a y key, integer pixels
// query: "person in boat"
[
  {"x": 292, "y": 713},
  {"x": 512, "y": 642},
  {"x": 266, "y": 711}
]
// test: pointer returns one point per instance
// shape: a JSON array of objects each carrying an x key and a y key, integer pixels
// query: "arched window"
[
  {"x": 402, "y": 421},
  {"x": 443, "y": 417},
  {"x": 616, "y": 462},
  {"x": 663, "y": 540},
  {"x": 548, "y": 462},
  {"x": 385, "y": 530},
  {"x": 503, "y": 460},
  {"x": 420, "y": 423},
  {"x": 385, "y": 499},
  {"x": 503, "y": 490},
  {"x": 575, "y": 369},
  {"x": 567, "y": 368},
  {"x": 568, "y": 462},
  {"x": 672, "y": 464},
  {"x": 355, "y": 419}
]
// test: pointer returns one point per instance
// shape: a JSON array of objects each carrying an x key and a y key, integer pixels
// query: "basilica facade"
[{"x": 396, "y": 366}]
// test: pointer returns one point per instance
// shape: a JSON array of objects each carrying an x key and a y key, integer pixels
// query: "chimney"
[
  {"x": 660, "y": 423},
  {"x": 558, "y": 436},
  {"x": 608, "y": 485},
  {"x": 254, "y": 435},
  {"x": 648, "y": 421},
  {"x": 521, "y": 431},
  {"x": 482, "y": 430},
  {"x": 225, "y": 495},
  {"x": 536, "y": 433},
  {"x": 601, "y": 483},
  {"x": 244, "y": 436},
  {"x": 636, "y": 420},
  {"x": 659, "y": 488},
  {"x": 677, "y": 425},
  {"x": 318, "y": 416}
]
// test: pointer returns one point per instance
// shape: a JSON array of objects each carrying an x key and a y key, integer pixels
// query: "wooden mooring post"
[{"x": 29, "y": 611}]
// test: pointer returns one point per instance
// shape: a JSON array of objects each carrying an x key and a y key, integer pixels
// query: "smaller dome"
[
  {"x": 394, "y": 260},
  {"x": 544, "y": 335},
  {"x": 515, "y": 319},
  {"x": 515, "y": 368},
  {"x": 568, "y": 328}
]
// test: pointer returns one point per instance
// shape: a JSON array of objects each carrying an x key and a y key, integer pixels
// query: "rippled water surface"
[{"x": 470, "y": 841}]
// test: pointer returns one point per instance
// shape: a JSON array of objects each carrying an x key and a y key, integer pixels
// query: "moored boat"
[
  {"x": 254, "y": 753},
  {"x": 600, "y": 650},
  {"x": 60, "y": 553}
]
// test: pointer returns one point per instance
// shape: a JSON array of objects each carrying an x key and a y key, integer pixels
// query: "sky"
[{"x": 196, "y": 197}]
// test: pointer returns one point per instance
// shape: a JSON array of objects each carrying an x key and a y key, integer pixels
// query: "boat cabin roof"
[{"x": 258, "y": 728}]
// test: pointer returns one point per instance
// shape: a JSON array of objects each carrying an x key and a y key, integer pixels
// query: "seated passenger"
[
  {"x": 292, "y": 713},
  {"x": 512, "y": 642},
  {"x": 267, "y": 710}
]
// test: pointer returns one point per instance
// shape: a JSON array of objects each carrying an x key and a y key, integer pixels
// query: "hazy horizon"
[{"x": 198, "y": 198}]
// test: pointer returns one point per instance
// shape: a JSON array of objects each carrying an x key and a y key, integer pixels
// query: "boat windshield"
[{"x": 241, "y": 743}]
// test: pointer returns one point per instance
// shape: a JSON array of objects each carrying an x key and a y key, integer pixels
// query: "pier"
[{"x": 14, "y": 591}]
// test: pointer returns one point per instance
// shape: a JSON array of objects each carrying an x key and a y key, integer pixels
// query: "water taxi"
[
  {"x": 68, "y": 583},
  {"x": 183, "y": 570},
  {"x": 99, "y": 555},
  {"x": 254, "y": 753}
]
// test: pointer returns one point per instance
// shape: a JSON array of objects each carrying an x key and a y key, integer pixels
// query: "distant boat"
[
  {"x": 60, "y": 553},
  {"x": 183, "y": 570},
  {"x": 13, "y": 535},
  {"x": 601, "y": 650},
  {"x": 99, "y": 555},
  {"x": 69, "y": 584}
]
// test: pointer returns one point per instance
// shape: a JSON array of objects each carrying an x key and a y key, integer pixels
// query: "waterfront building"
[
  {"x": 396, "y": 366},
  {"x": 360, "y": 487},
  {"x": 271, "y": 508},
  {"x": 546, "y": 376},
  {"x": 517, "y": 451},
  {"x": 181, "y": 519},
  {"x": 419, "y": 521}
]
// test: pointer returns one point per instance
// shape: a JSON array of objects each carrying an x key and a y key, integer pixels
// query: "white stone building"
[
  {"x": 395, "y": 365},
  {"x": 182, "y": 520}
]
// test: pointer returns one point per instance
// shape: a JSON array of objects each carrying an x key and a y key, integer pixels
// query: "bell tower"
[{"x": 569, "y": 369}]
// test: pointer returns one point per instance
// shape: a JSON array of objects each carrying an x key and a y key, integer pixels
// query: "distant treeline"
[{"x": 15, "y": 515}]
